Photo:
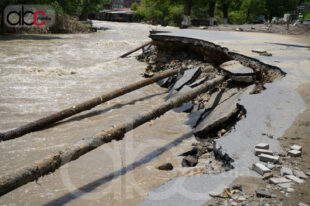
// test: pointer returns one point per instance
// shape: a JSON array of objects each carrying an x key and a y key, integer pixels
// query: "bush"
[
  {"x": 307, "y": 15},
  {"x": 237, "y": 17},
  {"x": 176, "y": 15}
]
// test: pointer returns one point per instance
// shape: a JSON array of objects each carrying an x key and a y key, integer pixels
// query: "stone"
[
  {"x": 285, "y": 185},
  {"x": 268, "y": 158},
  {"x": 294, "y": 178},
  {"x": 270, "y": 166},
  {"x": 294, "y": 153},
  {"x": 205, "y": 156},
  {"x": 241, "y": 199},
  {"x": 235, "y": 67},
  {"x": 167, "y": 167},
  {"x": 302, "y": 204},
  {"x": 300, "y": 174},
  {"x": 237, "y": 187},
  {"x": 262, "y": 151},
  {"x": 214, "y": 194},
  {"x": 296, "y": 147},
  {"x": 279, "y": 180},
  {"x": 189, "y": 161},
  {"x": 267, "y": 176},
  {"x": 261, "y": 52},
  {"x": 285, "y": 171},
  {"x": 246, "y": 79},
  {"x": 189, "y": 75},
  {"x": 308, "y": 173},
  {"x": 262, "y": 146},
  {"x": 264, "y": 193},
  {"x": 290, "y": 190},
  {"x": 260, "y": 168},
  {"x": 258, "y": 51}
]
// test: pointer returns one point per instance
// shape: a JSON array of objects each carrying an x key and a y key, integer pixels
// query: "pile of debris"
[
  {"x": 279, "y": 173},
  {"x": 206, "y": 155},
  {"x": 277, "y": 169}
]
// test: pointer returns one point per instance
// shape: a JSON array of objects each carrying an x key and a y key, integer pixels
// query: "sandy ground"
[{"x": 299, "y": 133}]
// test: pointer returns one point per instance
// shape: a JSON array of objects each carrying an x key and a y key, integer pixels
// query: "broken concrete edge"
[
  {"x": 214, "y": 53},
  {"x": 217, "y": 53}
]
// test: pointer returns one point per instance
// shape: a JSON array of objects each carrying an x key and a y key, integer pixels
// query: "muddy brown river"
[{"x": 40, "y": 75}]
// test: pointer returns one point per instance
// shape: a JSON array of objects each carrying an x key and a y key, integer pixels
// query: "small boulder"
[
  {"x": 189, "y": 161},
  {"x": 167, "y": 167},
  {"x": 300, "y": 174}
]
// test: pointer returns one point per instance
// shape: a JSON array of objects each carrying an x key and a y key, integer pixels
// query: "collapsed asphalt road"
[{"x": 212, "y": 123}]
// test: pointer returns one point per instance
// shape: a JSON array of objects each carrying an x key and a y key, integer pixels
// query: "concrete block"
[
  {"x": 260, "y": 168},
  {"x": 285, "y": 185},
  {"x": 270, "y": 166},
  {"x": 279, "y": 180},
  {"x": 262, "y": 146},
  {"x": 262, "y": 151},
  {"x": 300, "y": 174},
  {"x": 296, "y": 147},
  {"x": 268, "y": 158},
  {"x": 286, "y": 171},
  {"x": 294, "y": 153},
  {"x": 294, "y": 178}
]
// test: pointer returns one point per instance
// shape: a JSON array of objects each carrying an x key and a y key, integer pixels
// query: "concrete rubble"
[
  {"x": 268, "y": 158},
  {"x": 262, "y": 146},
  {"x": 296, "y": 147},
  {"x": 260, "y": 168},
  {"x": 295, "y": 179},
  {"x": 294, "y": 153},
  {"x": 262, "y": 151},
  {"x": 285, "y": 171}
]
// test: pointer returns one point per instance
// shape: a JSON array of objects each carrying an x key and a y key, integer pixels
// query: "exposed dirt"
[{"x": 299, "y": 133}]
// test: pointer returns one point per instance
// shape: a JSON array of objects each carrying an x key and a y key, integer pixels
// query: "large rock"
[
  {"x": 236, "y": 68},
  {"x": 189, "y": 161},
  {"x": 167, "y": 167},
  {"x": 189, "y": 76}
]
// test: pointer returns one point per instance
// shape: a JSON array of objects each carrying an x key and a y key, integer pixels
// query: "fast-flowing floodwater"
[{"x": 43, "y": 74}]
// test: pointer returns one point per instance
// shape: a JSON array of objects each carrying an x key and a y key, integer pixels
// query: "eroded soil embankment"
[{"x": 215, "y": 113}]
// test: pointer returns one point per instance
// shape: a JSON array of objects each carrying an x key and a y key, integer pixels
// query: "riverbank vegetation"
[{"x": 170, "y": 12}]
